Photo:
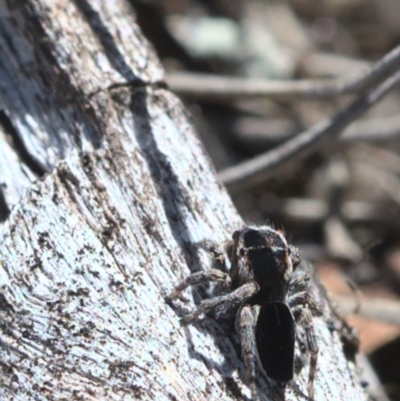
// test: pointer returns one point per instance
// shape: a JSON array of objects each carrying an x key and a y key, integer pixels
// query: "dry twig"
[
  {"x": 261, "y": 168},
  {"x": 231, "y": 88}
]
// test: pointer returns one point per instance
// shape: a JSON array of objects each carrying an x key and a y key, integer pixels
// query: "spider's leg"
[
  {"x": 298, "y": 361},
  {"x": 217, "y": 251},
  {"x": 299, "y": 294},
  {"x": 198, "y": 278},
  {"x": 304, "y": 298},
  {"x": 298, "y": 282},
  {"x": 229, "y": 300},
  {"x": 246, "y": 323},
  {"x": 301, "y": 312}
]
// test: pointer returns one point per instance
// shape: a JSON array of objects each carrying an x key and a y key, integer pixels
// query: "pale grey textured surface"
[{"x": 90, "y": 249}]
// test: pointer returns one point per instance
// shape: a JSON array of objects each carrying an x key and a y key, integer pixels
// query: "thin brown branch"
[
  {"x": 269, "y": 164},
  {"x": 231, "y": 88}
]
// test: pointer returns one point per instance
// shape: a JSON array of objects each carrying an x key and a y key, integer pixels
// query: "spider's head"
[{"x": 263, "y": 254}]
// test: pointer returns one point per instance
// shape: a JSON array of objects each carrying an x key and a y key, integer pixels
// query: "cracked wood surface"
[{"x": 105, "y": 191}]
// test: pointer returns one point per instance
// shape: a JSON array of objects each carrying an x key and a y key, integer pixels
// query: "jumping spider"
[{"x": 270, "y": 296}]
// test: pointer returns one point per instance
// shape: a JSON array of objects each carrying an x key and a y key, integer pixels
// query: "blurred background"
[{"x": 341, "y": 205}]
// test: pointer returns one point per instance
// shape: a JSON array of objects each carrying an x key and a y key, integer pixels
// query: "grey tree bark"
[{"x": 105, "y": 189}]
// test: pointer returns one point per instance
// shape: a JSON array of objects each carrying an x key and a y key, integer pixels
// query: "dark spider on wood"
[{"x": 270, "y": 297}]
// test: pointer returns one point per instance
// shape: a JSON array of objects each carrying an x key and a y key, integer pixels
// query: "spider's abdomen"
[{"x": 275, "y": 340}]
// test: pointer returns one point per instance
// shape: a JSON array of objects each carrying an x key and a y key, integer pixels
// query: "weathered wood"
[{"x": 89, "y": 250}]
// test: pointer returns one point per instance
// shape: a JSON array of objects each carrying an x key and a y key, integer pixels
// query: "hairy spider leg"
[
  {"x": 230, "y": 300},
  {"x": 298, "y": 282},
  {"x": 299, "y": 295},
  {"x": 246, "y": 322},
  {"x": 204, "y": 276},
  {"x": 304, "y": 313}
]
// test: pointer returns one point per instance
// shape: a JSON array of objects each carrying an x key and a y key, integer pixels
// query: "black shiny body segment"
[{"x": 275, "y": 341}]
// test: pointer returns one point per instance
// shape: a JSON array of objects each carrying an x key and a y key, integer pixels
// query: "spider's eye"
[{"x": 242, "y": 251}]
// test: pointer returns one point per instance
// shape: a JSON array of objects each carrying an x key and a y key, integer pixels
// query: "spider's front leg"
[
  {"x": 217, "y": 273},
  {"x": 218, "y": 252},
  {"x": 232, "y": 299},
  {"x": 204, "y": 276}
]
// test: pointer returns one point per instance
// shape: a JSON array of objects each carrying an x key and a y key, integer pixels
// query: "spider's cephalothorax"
[
  {"x": 270, "y": 297},
  {"x": 262, "y": 255}
]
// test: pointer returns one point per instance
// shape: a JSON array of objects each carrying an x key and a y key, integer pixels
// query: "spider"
[{"x": 270, "y": 297}]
